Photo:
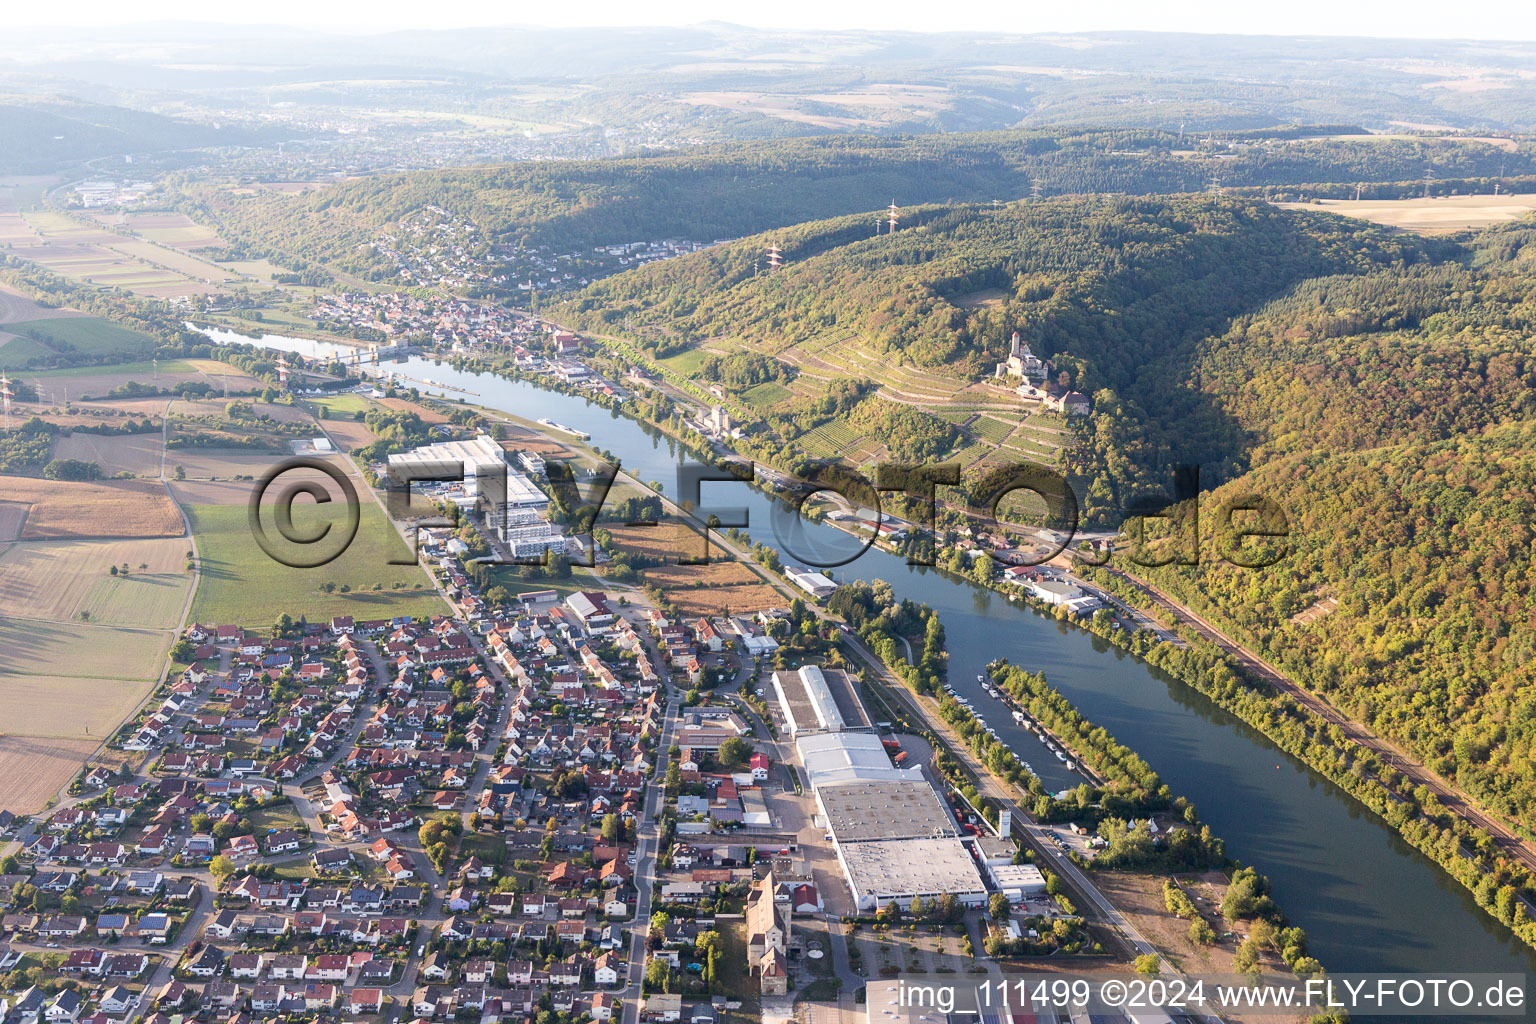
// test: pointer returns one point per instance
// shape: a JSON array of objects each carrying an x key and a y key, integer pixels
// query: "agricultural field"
[
  {"x": 993, "y": 430},
  {"x": 686, "y": 363},
  {"x": 763, "y": 397},
  {"x": 141, "y": 369},
  {"x": 60, "y": 580},
  {"x": 72, "y": 510},
  {"x": 35, "y": 769},
  {"x": 69, "y": 707},
  {"x": 13, "y": 517},
  {"x": 89, "y": 336},
  {"x": 73, "y": 667},
  {"x": 245, "y": 429},
  {"x": 16, "y": 308},
  {"x": 91, "y": 252},
  {"x": 668, "y": 540},
  {"x": 78, "y": 649},
  {"x": 240, "y": 583},
  {"x": 716, "y": 588},
  {"x": 427, "y": 413},
  {"x": 223, "y": 477},
  {"x": 174, "y": 230},
  {"x": 118, "y": 453},
  {"x": 738, "y": 600},
  {"x": 349, "y": 435},
  {"x": 62, "y": 384},
  {"x": 176, "y": 260},
  {"x": 1436, "y": 216}
]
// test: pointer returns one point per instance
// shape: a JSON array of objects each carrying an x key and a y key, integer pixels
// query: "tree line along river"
[{"x": 1368, "y": 901}]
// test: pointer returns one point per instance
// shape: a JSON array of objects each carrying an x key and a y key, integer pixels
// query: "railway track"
[{"x": 1450, "y": 797}]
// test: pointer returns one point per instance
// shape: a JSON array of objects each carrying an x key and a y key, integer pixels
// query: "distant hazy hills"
[
  {"x": 42, "y": 134},
  {"x": 733, "y": 82}
]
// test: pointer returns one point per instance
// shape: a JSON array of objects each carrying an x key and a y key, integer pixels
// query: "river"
[{"x": 1368, "y": 901}]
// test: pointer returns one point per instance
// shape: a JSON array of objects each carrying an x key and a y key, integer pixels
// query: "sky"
[{"x": 1403, "y": 18}]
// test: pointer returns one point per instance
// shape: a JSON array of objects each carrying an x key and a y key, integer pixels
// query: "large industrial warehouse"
[{"x": 894, "y": 835}]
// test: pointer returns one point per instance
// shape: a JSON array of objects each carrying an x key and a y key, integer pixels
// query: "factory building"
[{"x": 513, "y": 506}]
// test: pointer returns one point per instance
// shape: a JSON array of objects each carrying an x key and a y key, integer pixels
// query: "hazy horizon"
[{"x": 1375, "y": 19}]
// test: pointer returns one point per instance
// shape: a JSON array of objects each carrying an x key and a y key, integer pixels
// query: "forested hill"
[
  {"x": 1393, "y": 415},
  {"x": 1380, "y": 389},
  {"x": 1123, "y": 294},
  {"x": 734, "y": 190}
]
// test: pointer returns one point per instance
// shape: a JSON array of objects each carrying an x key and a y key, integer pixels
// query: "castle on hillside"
[{"x": 1022, "y": 362}]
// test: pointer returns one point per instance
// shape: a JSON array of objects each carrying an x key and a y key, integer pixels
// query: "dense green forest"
[{"x": 731, "y": 190}]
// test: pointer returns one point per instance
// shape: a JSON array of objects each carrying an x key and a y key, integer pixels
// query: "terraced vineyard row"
[{"x": 993, "y": 430}]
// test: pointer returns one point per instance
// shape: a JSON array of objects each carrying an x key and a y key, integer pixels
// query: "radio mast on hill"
[{"x": 893, "y": 216}]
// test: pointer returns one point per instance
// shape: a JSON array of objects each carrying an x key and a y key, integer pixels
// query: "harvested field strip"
[
  {"x": 64, "y": 509},
  {"x": 38, "y": 647},
  {"x": 60, "y": 579},
  {"x": 735, "y": 600},
  {"x": 69, "y": 707},
  {"x": 35, "y": 770}
]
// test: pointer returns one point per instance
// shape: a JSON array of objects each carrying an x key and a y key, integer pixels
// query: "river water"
[{"x": 1368, "y": 901}]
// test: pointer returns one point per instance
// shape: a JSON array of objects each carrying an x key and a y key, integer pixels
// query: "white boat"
[
  {"x": 1018, "y": 716},
  {"x": 1071, "y": 767},
  {"x": 569, "y": 430},
  {"x": 1059, "y": 755},
  {"x": 981, "y": 678}
]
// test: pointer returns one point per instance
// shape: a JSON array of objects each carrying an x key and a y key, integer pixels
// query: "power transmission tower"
[{"x": 893, "y": 216}]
